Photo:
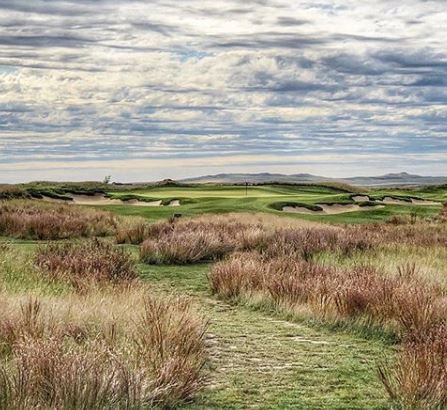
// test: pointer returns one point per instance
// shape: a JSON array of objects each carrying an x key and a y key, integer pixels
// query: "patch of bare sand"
[
  {"x": 301, "y": 210},
  {"x": 175, "y": 202},
  {"x": 394, "y": 201}
]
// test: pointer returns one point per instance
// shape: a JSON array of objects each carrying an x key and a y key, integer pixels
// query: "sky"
[{"x": 144, "y": 90}]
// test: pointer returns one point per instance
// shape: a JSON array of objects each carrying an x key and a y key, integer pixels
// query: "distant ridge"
[{"x": 392, "y": 179}]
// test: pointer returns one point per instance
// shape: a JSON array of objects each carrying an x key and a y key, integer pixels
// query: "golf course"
[{"x": 297, "y": 296}]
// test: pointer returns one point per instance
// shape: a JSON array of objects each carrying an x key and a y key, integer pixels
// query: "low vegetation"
[
  {"x": 279, "y": 268},
  {"x": 42, "y": 220},
  {"x": 104, "y": 347},
  {"x": 128, "y": 349},
  {"x": 194, "y": 241},
  {"x": 86, "y": 263}
]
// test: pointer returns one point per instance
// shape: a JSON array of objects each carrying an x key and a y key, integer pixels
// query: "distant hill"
[{"x": 393, "y": 179}]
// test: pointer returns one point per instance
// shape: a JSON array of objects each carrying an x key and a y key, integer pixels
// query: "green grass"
[
  {"x": 261, "y": 361},
  {"x": 223, "y": 199}
]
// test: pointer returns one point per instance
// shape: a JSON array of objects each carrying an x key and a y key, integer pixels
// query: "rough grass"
[
  {"x": 40, "y": 220},
  {"x": 182, "y": 242},
  {"x": 86, "y": 263},
  {"x": 418, "y": 379},
  {"x": 106, "y": 349},
  {"x": 362, "y": 295}
]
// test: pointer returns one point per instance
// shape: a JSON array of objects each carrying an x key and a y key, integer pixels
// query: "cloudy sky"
[{"x": 144, "y": 90}]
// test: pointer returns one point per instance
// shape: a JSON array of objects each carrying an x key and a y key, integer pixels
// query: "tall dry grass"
[
  {"x": 86, "y": 263},
  {"x": 191, "y": 241},
  {"x": 401, "y": 303},
  {"x": 38, "y": 220},
  {"x": 132, "y": 231},
  {"x": 443, "y": 213},
  {"x": 121, "y": 348},
  {"x": 418, "y": 378},
  {"x": 203, "y": 239}
]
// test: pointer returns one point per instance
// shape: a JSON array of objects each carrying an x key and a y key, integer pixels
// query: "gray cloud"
[{"x": 128, "y": 80}]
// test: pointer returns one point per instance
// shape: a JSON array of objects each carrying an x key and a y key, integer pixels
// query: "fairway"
[
  {"x": 283, "y": 200},
  {"x": 232, "y": 191}
]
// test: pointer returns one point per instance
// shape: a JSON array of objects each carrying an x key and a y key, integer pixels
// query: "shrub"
[
  {"x": 305, "y": 243},
  {"x": 184, "y": 248},
  {"x": 87, "y": 262},
  {"x": 38, "y": 220}
]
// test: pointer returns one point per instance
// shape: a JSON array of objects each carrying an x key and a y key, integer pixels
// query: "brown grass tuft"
[{"x": 361, "y": 294}]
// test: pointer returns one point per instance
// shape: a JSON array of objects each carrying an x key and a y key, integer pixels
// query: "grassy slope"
[{"x": 260, "y": 361}]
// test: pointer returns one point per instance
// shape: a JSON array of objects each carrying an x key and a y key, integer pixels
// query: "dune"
[{"x": 101, "y": 199}]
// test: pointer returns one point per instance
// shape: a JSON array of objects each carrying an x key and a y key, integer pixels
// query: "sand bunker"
[
  {"x": 175, "y": 202},
  {"x": 97, "y": 199},
  {"x": 100, "y": 200},
  {"x": 361, "y": 198},
  {"x": 393, "y": 201},
  {"x": 136, "y": 202},
  {"x": 330, "y": 209},
  {"x": 300, "y": 210},
  {"x": 423, "y": 202}
]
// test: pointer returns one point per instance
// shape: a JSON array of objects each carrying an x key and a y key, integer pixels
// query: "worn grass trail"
[{"x": 260, "y": 361}]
